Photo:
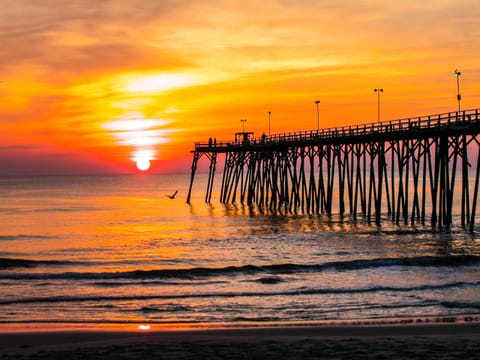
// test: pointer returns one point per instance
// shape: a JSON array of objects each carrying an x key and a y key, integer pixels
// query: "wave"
[
  {"x": 160, "y": 282},
  {"x": 419, "y": 261},
  {"x": 296, "y": 292},
  {"x": 8, "y": 263},
  {"x": 24, "y": 237},
  {"x": 460, "y": 305},
  {"x": 206, "y": 272}
]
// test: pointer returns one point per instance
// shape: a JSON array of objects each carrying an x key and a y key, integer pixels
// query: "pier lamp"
[
  {"x": 457, "y": 74},
  {"x": 243, "y": 124},
  {"x": 269, "y": 114},
  {"x": 318, "y": 114},
  {"x": 378, "y": 91}
]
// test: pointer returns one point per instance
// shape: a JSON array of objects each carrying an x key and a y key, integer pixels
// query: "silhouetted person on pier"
[{"x": 209, "y": 142}]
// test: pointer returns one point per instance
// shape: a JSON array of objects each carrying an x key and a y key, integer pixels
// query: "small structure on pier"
[
  {"x": 243, "y": 137},
  {"x": 409, "y": 169}
]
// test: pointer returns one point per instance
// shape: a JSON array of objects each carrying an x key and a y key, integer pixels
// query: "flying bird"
[{"x": 173, "y": 195}]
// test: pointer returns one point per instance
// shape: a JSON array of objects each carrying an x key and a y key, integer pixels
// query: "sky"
[{"x": 97, "y": 86}]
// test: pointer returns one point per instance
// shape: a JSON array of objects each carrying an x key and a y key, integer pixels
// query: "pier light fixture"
[
  {"x": 269, "y": 114},
  {"x": 317, "y": 102},
  {"x": 457, "y": 74},
  {"x": 378, "y": 91},
  {"x": 243, "y": 124}
]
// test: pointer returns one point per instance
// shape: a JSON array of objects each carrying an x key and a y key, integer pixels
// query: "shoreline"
[
  {"x": 438, "y": 340},
  {"x": 9, "y": 327}
]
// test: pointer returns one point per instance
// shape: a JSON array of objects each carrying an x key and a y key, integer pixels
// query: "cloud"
[{"x": 79, "y": 35}]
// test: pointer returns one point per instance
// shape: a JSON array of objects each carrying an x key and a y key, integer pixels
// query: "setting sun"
[
  {"x": 141, "y": 135},
  {"x": 143, "y": 158},
  {"x": 143, "y": 164}
]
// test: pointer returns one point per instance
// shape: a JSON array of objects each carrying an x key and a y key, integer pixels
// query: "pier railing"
[{"x": 391, "y": 127}]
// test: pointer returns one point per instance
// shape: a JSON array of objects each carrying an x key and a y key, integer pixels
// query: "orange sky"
[{"x": 92, "y": 86}]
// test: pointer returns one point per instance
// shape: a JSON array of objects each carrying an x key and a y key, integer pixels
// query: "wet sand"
[{"x": 412, "y": 341}]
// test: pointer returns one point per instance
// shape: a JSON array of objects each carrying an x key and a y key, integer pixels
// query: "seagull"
[{"x": 173, "y": 195}]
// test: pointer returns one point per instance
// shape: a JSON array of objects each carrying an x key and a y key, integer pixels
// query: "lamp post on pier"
[
  {"x": 318, "y": 114},
  {"x": 243, "y": 124},
  {"x": 378, "y": 91},
  {"x": 269, "y": 114},
  {"x": 457, "y": 74}
]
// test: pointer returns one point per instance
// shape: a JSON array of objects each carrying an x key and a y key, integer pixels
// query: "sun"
[
  {"x": 143, "y": 164},
  {"x": 143, "y": 158}
]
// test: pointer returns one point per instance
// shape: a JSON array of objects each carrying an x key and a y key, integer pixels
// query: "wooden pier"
[{"x": 408, "y": 169}]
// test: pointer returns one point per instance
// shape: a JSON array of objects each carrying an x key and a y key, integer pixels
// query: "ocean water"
[{"x": 117, "y": 250}]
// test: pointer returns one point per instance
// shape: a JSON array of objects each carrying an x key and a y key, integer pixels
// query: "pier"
[{"x": 409, "y": 169}]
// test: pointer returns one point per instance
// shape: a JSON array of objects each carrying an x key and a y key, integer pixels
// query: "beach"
[{"x": 404, "y": 341}]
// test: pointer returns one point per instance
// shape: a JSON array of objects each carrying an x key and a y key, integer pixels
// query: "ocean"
[{"x": 117, "y": 250}]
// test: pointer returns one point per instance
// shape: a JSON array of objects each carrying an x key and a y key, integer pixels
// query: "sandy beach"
[{"x": 412, "y": 341}]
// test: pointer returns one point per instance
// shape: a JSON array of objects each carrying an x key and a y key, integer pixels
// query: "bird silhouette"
[{"x": 173, "y": 195}]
